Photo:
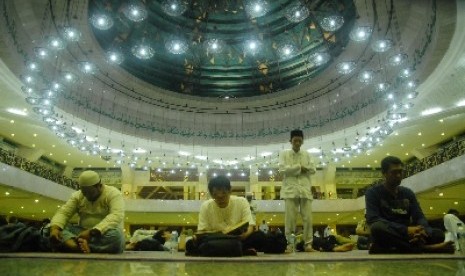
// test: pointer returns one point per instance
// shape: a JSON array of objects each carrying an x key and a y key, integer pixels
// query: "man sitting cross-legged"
[
  {"x": 397, "y": 223},
  {"x": 101, "y": 211}
]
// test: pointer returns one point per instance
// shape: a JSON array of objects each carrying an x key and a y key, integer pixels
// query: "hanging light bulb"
[
  {"x": 319, "y": 58},
  {"x": 297, "y": 12},
  {"x": 71, "y": 34},
  {"x": 102, "y": 22},
  {"x": 142, "y": 51},
  {"x": 256, "y": 8},
  {"x": 135, "y": 11},
  {"x": 382, "y": 45},
  {"x": 176, "y": 46},
  {"x": 332, "y": 23},
  {"x": 174, "y": 7},
  {"x": 345, "y": 67},
  {"x": 114, "y": 56},
  {"x": 361, "y": 33}
]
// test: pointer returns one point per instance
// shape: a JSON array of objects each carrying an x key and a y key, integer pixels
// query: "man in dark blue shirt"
[{"x": 396, "y": 220}]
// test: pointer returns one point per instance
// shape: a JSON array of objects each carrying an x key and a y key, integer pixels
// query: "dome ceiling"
[
  {"x": 224, "y": 48},
  {"x": 111, "y": 82}
]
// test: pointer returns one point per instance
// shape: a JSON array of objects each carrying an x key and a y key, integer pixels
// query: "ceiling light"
[
  {"x": 397, "y": 59},
  {"x": 176, "y": 46},
  {"x": 56, "y": 43},
  {"x": 286, "y": 51},
  {"x": 41, "y": 52},
  {"x": 33, "y": 66},
  {"x": 71, "y": 34},
  {"x": 114, "y": 57},
  {"x": 86, "y": 67},
  {"x": 142, "y": 51},
  {"x": 431, "y": 111},
  {"x": 69, "y": 77},
  {"x": 319, "y": 58},
  {"x": 332, "y": 23},
  {"x": 174, "y": 7},
  {"x": 101, "y": 21},
  {"x": 252, "y": 46},
  {"x": 382, "y": 45},
  {"x": 135, "y": 12},
  {"x": 201, "y": 157},
  {"x": 461, "y": 103},
  {"x": 381, "y": 87},
  {"x": 405, "y": 73},
  {"x": 184, "y": 153},
  {"x": 366, "y": 76},
  {"x": 256, "y": 8},
  {"x": 412, "y": 95},
  {"x": 214, "y": 45},
  {"x": 17, "y": 111},
  {"x": 345, "y": 67},
  {"x": 361, "y": 33},
  {"x": 296, "y": 12}
]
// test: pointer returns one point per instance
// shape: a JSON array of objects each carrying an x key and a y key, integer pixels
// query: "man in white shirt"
[
  {"x": 101, "y": 211},
  {"x": 297, "y": 166},
  {"x": 225, "y": 210}
]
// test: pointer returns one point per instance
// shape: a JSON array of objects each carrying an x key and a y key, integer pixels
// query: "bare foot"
[
  {"x": 84, "y": 246},
  {"x": 344, "y": 247},
  {"x": 444, "y": 247}
]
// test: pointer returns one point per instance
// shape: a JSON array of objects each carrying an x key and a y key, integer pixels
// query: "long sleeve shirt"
[
  {"x": 214, "y": 218},
  {"x": 107, "y": 212},
  {"x": 295, "y": 183},
  {"x": 400, "y": 211}
]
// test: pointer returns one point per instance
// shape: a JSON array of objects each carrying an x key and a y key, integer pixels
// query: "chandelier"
[
  {"x": 256, "y": 8},
  {"x": 361, "y": 33},
  {"x": 174, "y": 7},
  {"x": 102, "y": 22},
  {"x": 297, "y": 12},
  {"x": 142, "y": 51},
  {"x": 135, "y": 11},
  {"x": 332, "y": 23}
]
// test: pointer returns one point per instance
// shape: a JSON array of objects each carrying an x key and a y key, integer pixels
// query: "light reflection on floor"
[{"x": 19, "y": 266}]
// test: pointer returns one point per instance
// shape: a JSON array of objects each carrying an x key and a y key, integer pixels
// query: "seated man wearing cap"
[{"x": 101, "y": 211}]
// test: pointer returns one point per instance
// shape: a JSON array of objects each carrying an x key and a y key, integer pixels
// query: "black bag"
[
  {"x": 214, "y": 245},
  {"x": 21, "y": 238},
  {"x": 275, "y": 243}
]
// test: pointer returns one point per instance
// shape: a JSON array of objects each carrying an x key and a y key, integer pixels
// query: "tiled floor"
[{"x": 163, "y": 263}]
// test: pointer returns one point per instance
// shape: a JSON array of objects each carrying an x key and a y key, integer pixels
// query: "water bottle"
[
  {"x": 292, "y": 242},
  {"x": 174, "y": 242},
  {"x": 461, "y": 238}
]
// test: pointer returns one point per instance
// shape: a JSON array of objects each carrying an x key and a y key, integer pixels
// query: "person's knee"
[{"x": 378, "y": 229}]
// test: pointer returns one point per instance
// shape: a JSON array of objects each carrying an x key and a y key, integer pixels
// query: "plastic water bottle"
[
  {"x": 174, "y": 242},
  {"x": 292, "y": 242},
  {"x": 461, "y": 238}
]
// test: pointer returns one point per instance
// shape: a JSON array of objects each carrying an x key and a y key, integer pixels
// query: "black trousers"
[{"x": 389, "y": 240}]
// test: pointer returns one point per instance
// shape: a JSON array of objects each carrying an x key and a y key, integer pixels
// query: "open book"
[{"x": 234, "y": 230}]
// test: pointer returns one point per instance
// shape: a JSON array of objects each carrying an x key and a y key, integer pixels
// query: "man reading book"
[{"x": 226, "y": 213}]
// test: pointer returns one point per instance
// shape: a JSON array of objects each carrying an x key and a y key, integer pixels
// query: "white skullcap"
[{"x": 88, "y": 178}]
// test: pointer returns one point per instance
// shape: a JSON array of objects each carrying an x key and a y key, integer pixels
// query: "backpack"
[{"x": 275, "y": 243}]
